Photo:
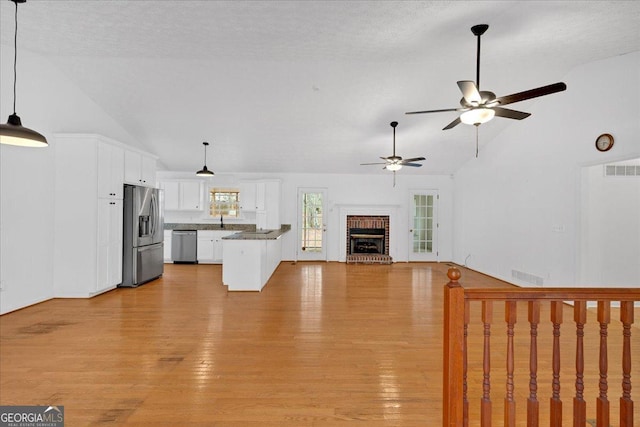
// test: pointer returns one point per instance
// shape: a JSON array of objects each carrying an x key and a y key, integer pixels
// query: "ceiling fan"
[
  {"x": 395, "y": 163},
  {"x": 479, "y": 107}
]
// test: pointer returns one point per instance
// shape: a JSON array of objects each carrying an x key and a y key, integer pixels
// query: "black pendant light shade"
[
  {"x": 13, "y": 133},
  {"x": 204, "y": 171}
]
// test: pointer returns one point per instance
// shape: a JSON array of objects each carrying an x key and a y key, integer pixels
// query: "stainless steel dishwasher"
[{"x": 184, "y": 246}]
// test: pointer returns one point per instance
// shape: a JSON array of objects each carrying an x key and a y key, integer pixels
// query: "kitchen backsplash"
[{"x": 201, "y": 217}]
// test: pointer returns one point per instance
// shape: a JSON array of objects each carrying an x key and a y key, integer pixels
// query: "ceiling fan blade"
[
  {"x": 366, "y": 164},
  {"x": 510, "y": 114},
  {"x": 436, "y": 111},
  {"x": 470, "y": 92},
  {"x": 531, "y": 93},
  {"x": 413, "y": 165},
  {"x": 414, "y": 159},
  {"x": 456, "y": 122}
]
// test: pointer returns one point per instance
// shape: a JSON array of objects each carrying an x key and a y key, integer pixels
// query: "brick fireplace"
[{"x": 368, "y": 239}]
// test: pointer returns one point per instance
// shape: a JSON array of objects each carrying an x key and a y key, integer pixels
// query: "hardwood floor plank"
[{"x": 322, "y": 344}]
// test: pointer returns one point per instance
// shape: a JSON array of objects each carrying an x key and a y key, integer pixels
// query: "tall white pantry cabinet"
[{"x": 88, "y": 213}]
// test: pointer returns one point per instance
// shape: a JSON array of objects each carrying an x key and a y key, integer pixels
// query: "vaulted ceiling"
[{"x": 311, "y": 86}]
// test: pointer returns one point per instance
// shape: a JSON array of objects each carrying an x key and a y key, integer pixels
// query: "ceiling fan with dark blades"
[
  {"x": 480, "y": 106},
  {"x": 395, "y": 163}
]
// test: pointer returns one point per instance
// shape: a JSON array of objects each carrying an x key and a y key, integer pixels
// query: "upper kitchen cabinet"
[
  {"x": 263, "y": 198},
  {"x": 110, "y": 171},
  {"x": 248, "y": 196},
  {"x": 104, "y": 156},
  {"x": 139, "y": 168},
  {"x": 182, "y": 195},
  {"x": 268, "y": 205}
]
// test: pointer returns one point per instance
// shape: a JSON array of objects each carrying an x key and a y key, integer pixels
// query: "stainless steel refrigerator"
[{"x": 143, "y": 225}]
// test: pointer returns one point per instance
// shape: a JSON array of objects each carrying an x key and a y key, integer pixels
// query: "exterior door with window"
[
  {"x": 312, "y": 229},
  {"x": 423, "y": 223}
]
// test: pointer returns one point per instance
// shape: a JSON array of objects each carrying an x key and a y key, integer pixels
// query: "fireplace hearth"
[{"x": 368, "y": 239}]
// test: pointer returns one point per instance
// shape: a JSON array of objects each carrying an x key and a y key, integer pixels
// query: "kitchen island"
[{"x": 250, "y": 258}]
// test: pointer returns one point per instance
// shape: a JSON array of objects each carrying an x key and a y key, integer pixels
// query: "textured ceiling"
[{"x": 311, "y": 86}]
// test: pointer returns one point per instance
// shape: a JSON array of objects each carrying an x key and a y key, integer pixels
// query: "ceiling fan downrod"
[
  {"x": 478, "y": 30},
  {"x": 393, "y": 125}
]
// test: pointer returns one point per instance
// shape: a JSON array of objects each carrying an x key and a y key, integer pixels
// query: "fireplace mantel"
[{"x": 367, "y": 207}]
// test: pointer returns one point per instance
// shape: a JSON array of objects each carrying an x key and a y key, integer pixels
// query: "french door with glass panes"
[
  {"x": 312, "y": 229},
  {"x": 423, "y": 223}
]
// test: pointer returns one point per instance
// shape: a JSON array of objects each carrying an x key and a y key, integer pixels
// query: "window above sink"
[{"x": 224, "y": 202}]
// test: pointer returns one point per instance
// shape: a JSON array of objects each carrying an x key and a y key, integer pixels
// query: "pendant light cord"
[{"x": 15, "y": 58}]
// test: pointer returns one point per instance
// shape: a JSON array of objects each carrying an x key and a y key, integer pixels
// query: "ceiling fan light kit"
[
  {"x": 477, "y": 116},
  {"x": 204, "y": 171},
  {"x": 13, "y": 133}
]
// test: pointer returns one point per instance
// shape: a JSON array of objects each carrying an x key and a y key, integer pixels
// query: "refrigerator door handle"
[{"x": 152, "y": 214}]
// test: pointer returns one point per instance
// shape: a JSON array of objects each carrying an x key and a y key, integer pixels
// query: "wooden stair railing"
[{"x": 455, "y": 358}]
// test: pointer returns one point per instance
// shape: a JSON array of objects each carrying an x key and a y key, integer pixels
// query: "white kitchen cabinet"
[
  {"x": 210, "y": 246},
  {"x": 191, "y": 195},
  {"x": 109, "y": 224},
  {"x": 247, "y": 196},
  {"x": 139, "y": 168},
  {"x": 248, "y": 264},
  {"x": 149, "y": 166},
  {"x": 182, "y": 195},
  {"x": 268, "y": 205},
  {"x": 110, "y": 171},
  {"x": 218, "y": 245},
  {"x": 171, "y": 195},
  {"x": 263, "y": 198},
  {"x": 88, "y": 215},
  {"x": 205, "y": 246},
  {"x": 167, "y": 246}
]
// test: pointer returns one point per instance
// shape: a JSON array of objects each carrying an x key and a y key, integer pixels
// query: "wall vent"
[
  {"x": 622, "y": 170},
  {"x": 526, "y": 277}
]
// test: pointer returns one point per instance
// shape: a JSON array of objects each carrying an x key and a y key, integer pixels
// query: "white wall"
[
  {"x": 610, "y": 228},
  {"x": 517, "y": 206},
  {"x": 343, "y": 189},
  {"x": 47, "y": 102}
]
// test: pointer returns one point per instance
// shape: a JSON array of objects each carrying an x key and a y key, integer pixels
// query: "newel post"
[{"x": 453, "y": 355}]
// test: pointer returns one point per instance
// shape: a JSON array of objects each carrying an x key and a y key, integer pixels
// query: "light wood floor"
[{"x": 322, "y": 344}]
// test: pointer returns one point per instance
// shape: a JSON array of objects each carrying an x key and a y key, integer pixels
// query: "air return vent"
[
  {"x": 622, "y": 170},
  {"x": 526, "y": 277}
]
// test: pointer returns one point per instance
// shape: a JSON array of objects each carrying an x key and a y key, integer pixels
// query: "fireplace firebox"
[{"x": 367, "y": 241}]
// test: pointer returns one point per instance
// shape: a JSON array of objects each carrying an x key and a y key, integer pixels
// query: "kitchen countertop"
[
  {"x": 209, "y": 226},
  {"x": 259, "y": 234},
  {"x": 242, "y": 231}
]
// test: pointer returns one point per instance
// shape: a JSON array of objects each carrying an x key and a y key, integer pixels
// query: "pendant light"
[
  {"x": 204, "y": 171},
  {"x": 13, "y": 133}
]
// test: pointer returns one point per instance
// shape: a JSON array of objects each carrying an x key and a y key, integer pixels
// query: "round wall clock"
[{"x": 604, "y": 142}]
